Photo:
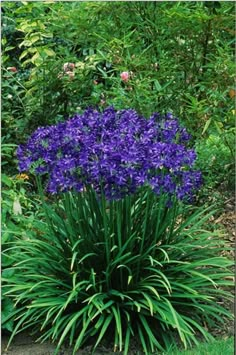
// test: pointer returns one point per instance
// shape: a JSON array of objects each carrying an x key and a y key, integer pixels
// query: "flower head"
[
  {"x": 114, "y": 151},
  {"x": 67, "y": 67},
  {"x": 22, "y": 177}
]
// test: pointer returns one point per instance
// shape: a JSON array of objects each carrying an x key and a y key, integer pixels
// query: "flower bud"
[
  {"x": 12, "y": 69},
  {"x": 124, "y": 76}
]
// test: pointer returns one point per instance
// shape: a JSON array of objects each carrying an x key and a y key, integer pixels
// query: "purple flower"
[{"x": 117, "y": 151}]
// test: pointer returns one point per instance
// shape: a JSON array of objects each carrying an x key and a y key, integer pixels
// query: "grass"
[{"x": 218, "y": 347}]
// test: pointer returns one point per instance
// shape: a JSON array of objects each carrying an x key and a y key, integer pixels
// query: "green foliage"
[
  {"x": 7, "y": 310},
  {"x": 216, "y": 160},
  {"x": 18, "y": 220},
  {"x": 19, "y": 209},
  {"x": 224, "y": 346},
  {"x": 14, "y": 119},
  {"x": 124, "y": 269},
  {"x": 182, "y": 60}
]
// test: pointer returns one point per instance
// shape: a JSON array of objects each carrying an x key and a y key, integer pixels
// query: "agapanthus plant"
[
  {"x": 114, "y": 151},
  {"x": 114, "y": 259}
]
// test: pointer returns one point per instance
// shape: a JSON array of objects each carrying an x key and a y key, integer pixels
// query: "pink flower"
[
  {"x": 68, "y": 73},
  {"x": 13, "y": 69},
  {"x": 124, "y": 76},
  {"x": 68, "y": 67}
]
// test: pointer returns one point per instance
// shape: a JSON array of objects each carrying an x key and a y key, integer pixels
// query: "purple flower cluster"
[{"x": 116, "y": 151}]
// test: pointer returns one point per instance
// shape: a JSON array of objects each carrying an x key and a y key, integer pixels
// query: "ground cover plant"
[
  {"x": 225, "y": 346},
  {"x": 120, "y": 257}
]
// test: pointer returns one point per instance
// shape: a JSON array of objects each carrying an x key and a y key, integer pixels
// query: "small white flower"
[{"x": 17, "y": 207}]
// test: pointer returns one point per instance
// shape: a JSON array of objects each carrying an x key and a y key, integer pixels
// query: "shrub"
[
  {"x": 19, "y": 218},
  {"x": 119, "y": 259},
  {"x": 19, "y": 214},
  {"x": 215, "y": 157},
  {"x": 182, "y": 61}
]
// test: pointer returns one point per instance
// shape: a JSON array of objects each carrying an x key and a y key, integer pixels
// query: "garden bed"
[{"x": 103, "y": 144}]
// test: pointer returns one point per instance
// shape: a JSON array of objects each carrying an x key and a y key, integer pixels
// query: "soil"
[{"x": 24, "y": 344}]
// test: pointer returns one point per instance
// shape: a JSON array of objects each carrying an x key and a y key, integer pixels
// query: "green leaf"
[
  {"x": 3, "y": 41},
  {"x": 49, "y": 52},
  {"x": 117, "y": 315},
  {"x": 37, "y": 59},
  {"x": 157, "y": 85},
  {"x": 143, "y": 342},
  {"x": 150, "y": 334},
  {"x": 106, "y": 324},
  {"x": 127, "y": 340},
  {"x": 34, "y": 38},
  {"x": 7, "y": 310},
  {"x": 73, "y": 320},
  {"x": 207, "y": 124},
  {"x": 6, "y": 180},
  {"x": 219, "y": 126}
]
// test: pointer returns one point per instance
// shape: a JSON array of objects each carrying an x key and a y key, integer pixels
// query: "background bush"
[{"x": 182, "y": 59}]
